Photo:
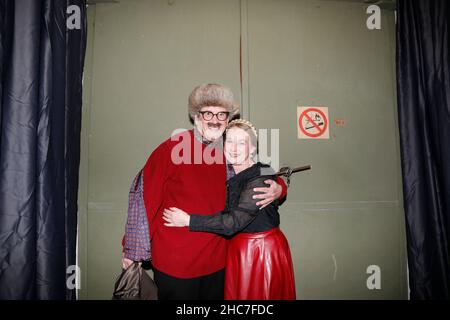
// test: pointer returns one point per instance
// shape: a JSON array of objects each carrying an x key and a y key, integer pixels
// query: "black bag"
[{"x": 135, "y": 284}]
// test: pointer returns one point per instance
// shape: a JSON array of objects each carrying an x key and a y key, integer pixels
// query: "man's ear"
[{"x": 197, "y": 122}]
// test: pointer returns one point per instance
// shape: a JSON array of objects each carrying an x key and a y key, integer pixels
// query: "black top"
[{"x": 241, "y": 213}]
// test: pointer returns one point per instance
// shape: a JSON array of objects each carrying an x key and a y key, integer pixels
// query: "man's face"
[{"x": 213, "y": 128}]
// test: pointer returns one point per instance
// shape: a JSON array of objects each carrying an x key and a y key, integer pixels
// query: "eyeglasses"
[{"x": 208, "y": 115}]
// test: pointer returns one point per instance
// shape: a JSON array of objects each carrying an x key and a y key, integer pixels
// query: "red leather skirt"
[{"x": 259, "y": 267}]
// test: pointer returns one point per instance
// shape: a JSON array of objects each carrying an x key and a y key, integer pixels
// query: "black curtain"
[
  {"x": 423, "y": 81},
  {"x": 41, "y": 68}
]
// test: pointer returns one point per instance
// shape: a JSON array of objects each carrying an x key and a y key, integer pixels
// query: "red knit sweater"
[{"x": 195, "y": 186}]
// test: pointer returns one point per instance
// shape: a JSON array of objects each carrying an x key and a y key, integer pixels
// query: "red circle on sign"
[{"x": 305, "y": 114}]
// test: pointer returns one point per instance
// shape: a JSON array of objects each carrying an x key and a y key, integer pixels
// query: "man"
[{"x": 188, "y": 171}]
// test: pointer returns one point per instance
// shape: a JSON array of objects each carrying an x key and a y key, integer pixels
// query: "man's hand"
[
  {"x": 268, "y": 194},
  {"x": 126, "y": 262}
]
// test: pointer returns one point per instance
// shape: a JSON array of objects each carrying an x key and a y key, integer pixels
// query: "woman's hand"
[{"x": 176, "y": 218}]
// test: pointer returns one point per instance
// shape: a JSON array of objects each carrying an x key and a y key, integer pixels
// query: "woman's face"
[{"x": 238, "y": 147}]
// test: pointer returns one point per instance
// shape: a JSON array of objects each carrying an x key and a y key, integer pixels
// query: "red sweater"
[{"x": 195, "y": 188}]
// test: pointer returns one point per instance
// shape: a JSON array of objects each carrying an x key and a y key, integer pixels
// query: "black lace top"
[{"x": 241, "y": 213}]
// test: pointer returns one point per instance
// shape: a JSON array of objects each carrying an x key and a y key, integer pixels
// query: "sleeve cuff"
[
  {"x": 283, "y": 185},
  {"x": 195, "y": 223}
]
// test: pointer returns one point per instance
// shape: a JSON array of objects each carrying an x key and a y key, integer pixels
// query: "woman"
[{"x": 259, "y": 263}]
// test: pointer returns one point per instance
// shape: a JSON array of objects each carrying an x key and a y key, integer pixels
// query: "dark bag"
[{"x": 135, "y": 284}]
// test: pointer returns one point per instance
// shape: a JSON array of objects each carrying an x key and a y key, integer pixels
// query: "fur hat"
[{"x": 212, "y": 95}]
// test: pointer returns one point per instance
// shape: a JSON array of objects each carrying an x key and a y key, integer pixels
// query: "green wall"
[{"x": 144, "y": 58}]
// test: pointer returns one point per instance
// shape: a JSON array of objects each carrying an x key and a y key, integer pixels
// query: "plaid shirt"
[{"x": 137, "y": 234}]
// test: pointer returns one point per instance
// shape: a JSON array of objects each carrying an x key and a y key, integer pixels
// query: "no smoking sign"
[{"x": 312, "y": 123}]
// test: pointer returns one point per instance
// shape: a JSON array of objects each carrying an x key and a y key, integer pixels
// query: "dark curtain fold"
[
  {"x": 41, "y": 68},
  {"x": 423, "y": 81}
]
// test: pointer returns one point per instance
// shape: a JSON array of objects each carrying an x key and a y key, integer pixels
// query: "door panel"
[
  {"x": 320, "y": 53},
  {"x": 147, "y": 56}
]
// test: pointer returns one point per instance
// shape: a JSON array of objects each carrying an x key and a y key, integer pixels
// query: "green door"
[{"x": 145, "y": 57}]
